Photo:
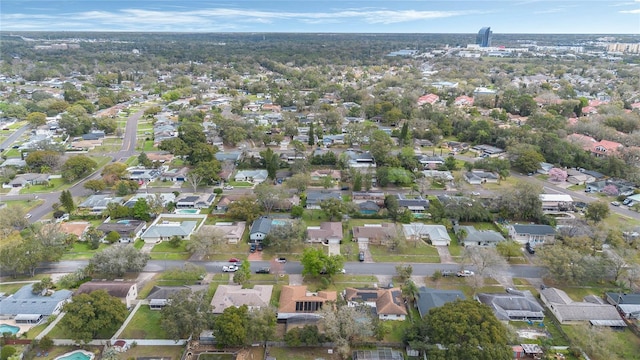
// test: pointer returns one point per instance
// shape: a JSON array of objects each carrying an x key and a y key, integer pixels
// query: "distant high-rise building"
[{"x": 484, "y": 37}]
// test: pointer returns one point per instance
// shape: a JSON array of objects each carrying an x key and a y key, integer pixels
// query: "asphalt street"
[
  {"x": 15, "y": 136},
  {"x": 423, "y": 269}
]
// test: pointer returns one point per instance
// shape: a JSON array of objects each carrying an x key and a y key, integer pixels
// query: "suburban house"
[
  {"x": 376, "y": 234},
  {"x": 428, "y": 298},
  {"x": 77, "y": 228},
  {"x": 326, "y": 233},
  {"x": 387, "y": 304},
  {"x": 129, "y": 230},
  {"x": 260, "y": 229},
  {"x": 430, "y": 161},
  {"x": 165, "y": 198},
  {"x": 175, "y": 175},
  {"x": 417, "y": 205},
  {"x": 513, "y": 305},
  {"x": 96, "y": 204},
  {"x": 556, "y": 202},
  {"x": 627, "y": 304},
  {"x": 360, "y": 159},
  {"x": 297, "y": 302},
  {"x": 252, "y": 176},
  {"x": 532, "y": 234},
  {"x": 545, "y": 168},
  {"x": 25, "y": 307},
  {"x": 14, "y": 162},
  {"x": 435, "y": 234},
  {"x": 576, "y": 177},
  {"x": 226, "y": 200},
  {"x": 142, "y": 174},
  {"x": 194, "y": 201},
  {"x": 232, "y": 230},
  {"x": 232, "y": 156},
  {"x": 159, "y": 296},
  {"x": 475, "y": 237},
  {"x": 438, "y": 174},
  {"x": 314, "y": 198},
  {"x": 488, "y": 150},
  {"x": 126, "y": 291},
  {"x": 165, "y": 230},
  {"x": 368, "y": 207},
  {"x": 605, "y": 148},
  {"x": 318, "y": 175},
  {"x": 428, "y": 99},
  {"x": 593, "y": 310},
  {"x": 363, "y": 196},
  {"x": 22, "y": 180},
  {"x": 234, "y": 295},
  {"x": 478, "y": 177}
]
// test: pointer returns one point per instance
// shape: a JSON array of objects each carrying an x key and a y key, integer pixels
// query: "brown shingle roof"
[
  {"x": 118, "y": 289},
  {"x": 388, "y": 301},
  {"x": 290, "y": 294}
]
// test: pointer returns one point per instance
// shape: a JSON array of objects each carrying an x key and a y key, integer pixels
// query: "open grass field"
[
  {"x": 409, "y": 253},
  {"x": 302, "y": 353},
  {"x": 164, "y": 251},
  {"x": 145, "y": 325}
]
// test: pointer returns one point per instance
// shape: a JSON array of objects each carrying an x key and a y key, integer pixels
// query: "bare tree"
[
  {"x": 268, "y": 196},
  {"x": 206, "y": 241},
  {"x": 486, "y": 261},
  {"x": 345, "y": 325},
  {"x": 194, "y": 179}
]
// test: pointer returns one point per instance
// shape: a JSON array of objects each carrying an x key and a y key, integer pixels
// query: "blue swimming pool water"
[
  {"x": 278, "y": 222},
  {"x": 75, "y": 355},
  {"x": 124, "y": 221},
  {"x": 188, "y": 211},
  {"x": 4, "y": 328}
]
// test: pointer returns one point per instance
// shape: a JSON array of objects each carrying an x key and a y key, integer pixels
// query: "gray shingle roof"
[
  {"x": 24, "y": 301},
  {"x": 431, "y": 298},
  {"x": 185, "y": 228},
  {"x": 534, "y": 229},
  {"x": 261, "y": 225}
]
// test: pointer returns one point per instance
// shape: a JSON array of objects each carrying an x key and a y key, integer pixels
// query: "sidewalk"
[{"x": 50, "y": 326}]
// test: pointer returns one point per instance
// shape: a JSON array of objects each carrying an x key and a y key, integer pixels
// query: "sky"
[{"x": 324, "y": 16}]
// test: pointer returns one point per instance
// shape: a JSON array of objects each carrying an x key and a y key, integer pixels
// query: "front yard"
[
  {"x": 145, "y": 325},
  {"x": 165, "y": 251}
]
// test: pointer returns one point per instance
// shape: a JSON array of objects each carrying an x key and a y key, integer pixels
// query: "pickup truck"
[{"x": 230, "y": 268}]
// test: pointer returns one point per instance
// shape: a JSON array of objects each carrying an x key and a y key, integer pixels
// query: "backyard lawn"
[
  {"x": 52, "y": 186},
  {"x": 145, "y": 325},
  {"x": 81, "y": 250},
  {"x": 164, "y": 251},
  {"x": 152, "y": 352}
]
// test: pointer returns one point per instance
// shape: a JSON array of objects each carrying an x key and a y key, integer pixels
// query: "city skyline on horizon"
[{"x": 328, "y": 16}]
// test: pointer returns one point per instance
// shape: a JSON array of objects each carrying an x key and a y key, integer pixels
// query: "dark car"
[
  {"x": 361, "y": 256},
  {"x": 259, "y": 247},
  {"x": 264, "y": 270},
  {"x": 530, "y": 249},
  {"x": 252, "y": 248}
]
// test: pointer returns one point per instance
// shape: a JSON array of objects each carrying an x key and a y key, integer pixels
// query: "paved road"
[
  {"x": 420, "y": 269},
  {"x": 11, "y": 139},
  {"x": 128, "y": 149}
]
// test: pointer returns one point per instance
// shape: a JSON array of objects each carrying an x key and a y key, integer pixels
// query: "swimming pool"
[
  {"x": 187, "y": 211},
  {"x": 76, "y": 355},
  {"x": 4, "y": 328},
  {"x": 277, "y": 222},
  {"x": 123, "y": 221}
]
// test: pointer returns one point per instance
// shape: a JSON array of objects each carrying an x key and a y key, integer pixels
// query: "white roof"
[{"x": 556, "y": 197}]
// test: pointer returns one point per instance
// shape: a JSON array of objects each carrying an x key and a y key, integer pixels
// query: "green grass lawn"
[
  {"x": 132, "y": 161},
  {"x": 25, "y": 204},
  {"x": 58, "y": 332},
  {"x": 81, "y": 250},
  {"x": 12, "y": 153},
  {"x": 164, "y": 251},
  {"x": 301, "y": 353},
  {"x": 54, "y": 185},
  {"x": 101, "y": 160},
  {"x": 145, "y": 325},
  {"x": 148, "y": 146},
  {"x": 411, "y": 252},
  {"x": 240, "y": 183}
]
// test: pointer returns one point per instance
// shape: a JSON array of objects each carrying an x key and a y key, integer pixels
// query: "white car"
[
  {"x": 465, "y": 273},
  {"x": 28, "y": 216},
  {"x": 228, "y": 187},
  {"x": 230, "y": 268}
]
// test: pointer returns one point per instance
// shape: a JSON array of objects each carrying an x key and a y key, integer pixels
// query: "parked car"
[
  {"x": 228, "y": 187},
  {"x": 259, "y": 247},
  {"x": 230, "y": 268},
  {"x": 281, "y": 260},
  {"x": 234, "y": 260},
  {"x": 615, "y": 203},
  {"x": 264, "y": 270},
  {"x": 361, "y": 256},
  {"x": 28, "y": 216},
  {"x": 252, "y": 248},
  {"x": 465, "y": 273},
  {"x": 530, "y": 249}
]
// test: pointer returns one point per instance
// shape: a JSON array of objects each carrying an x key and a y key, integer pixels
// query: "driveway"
[
  {"x": 445, "y": 255},
  {"x": 368, "y": 258}
]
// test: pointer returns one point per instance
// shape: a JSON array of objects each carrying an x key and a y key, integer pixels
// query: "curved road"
[{"x": 128, "y": 149}]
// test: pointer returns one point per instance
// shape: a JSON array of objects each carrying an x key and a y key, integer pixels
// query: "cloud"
[
  {"x": 151, "y": 19},
  {"x": 635, "y": 11}
]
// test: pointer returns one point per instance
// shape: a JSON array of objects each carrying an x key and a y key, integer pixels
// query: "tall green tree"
[
  {"x": 597, "y": 211},
  {"x": 271, "y": 162},
  {"x": 465, "y": 329},
  {"x": 93, "y": 315},
  {"x": 141, "y": 210},
  {"x": 77, "y": 166},
  {"x": 66, "y": 199},
  {"x": 186, "y": 314},
  {"x": 230, "y": 328}
]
